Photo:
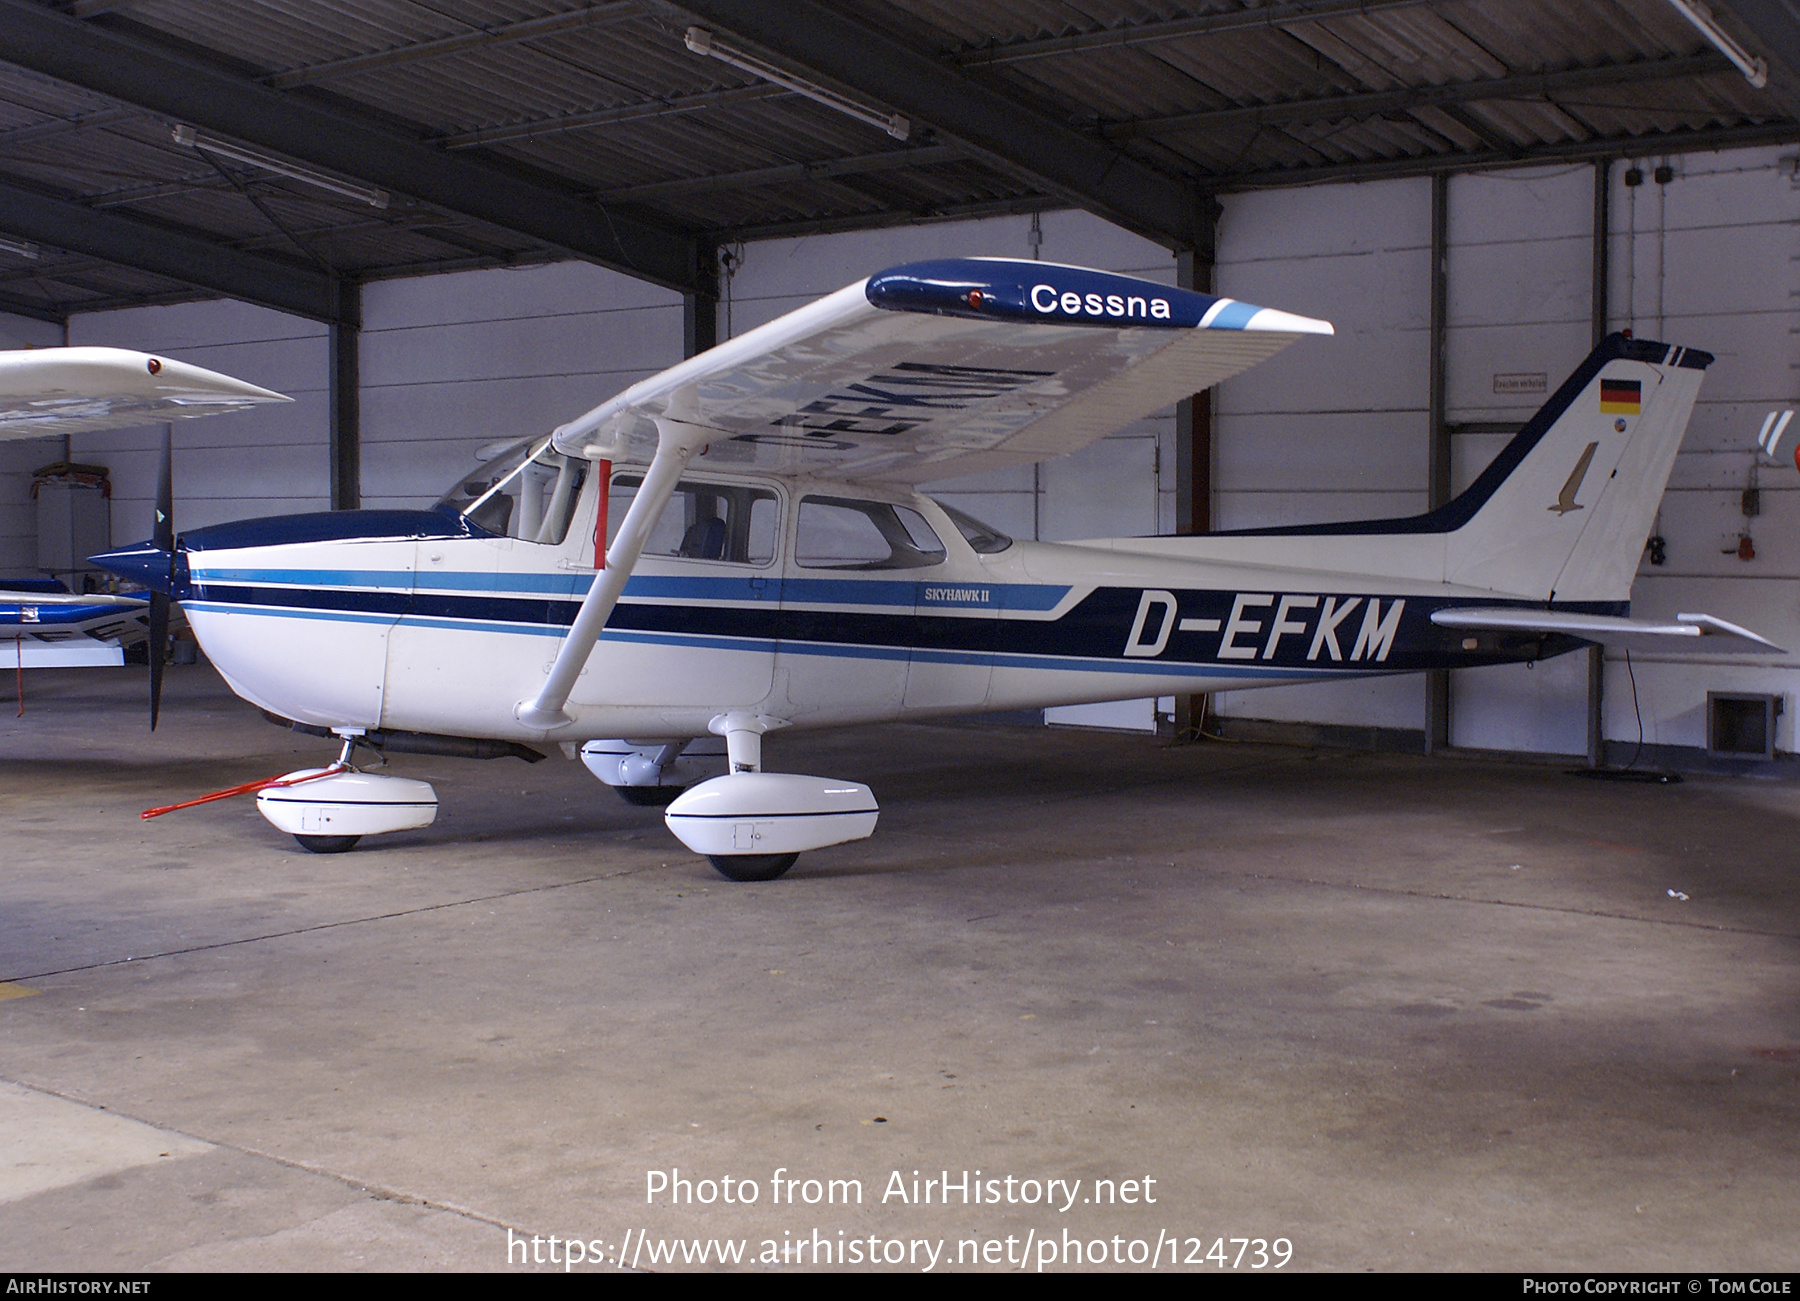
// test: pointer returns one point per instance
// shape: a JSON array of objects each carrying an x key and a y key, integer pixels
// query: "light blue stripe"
[
  {"x": 902, "y": 594},
  {"x": 274, "y": 612},
  {"x": 1049, "y": 663},
  {"x": 1233, "y": 316}
]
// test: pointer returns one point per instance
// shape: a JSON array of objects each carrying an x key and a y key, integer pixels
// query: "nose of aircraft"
[{"x": 143, "y": 562}]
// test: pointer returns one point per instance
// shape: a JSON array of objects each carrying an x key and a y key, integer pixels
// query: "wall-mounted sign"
[{"x": 1534, "y": 381}]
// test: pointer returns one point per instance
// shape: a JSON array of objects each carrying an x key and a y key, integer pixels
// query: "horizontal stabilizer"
[{"x": 1687, "y": 630}]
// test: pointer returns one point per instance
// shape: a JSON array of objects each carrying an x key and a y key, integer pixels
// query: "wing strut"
[{"x": 674, "y": 444}]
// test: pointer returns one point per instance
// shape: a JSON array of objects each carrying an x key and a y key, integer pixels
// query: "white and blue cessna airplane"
[{"x": 736, "y": 546}]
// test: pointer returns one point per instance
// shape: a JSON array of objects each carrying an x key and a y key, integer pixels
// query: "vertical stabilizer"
[{"x": 1562, "y": 513}]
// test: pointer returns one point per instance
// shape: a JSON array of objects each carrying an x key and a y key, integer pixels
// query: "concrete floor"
[{"x": 1403, "y": 1014}]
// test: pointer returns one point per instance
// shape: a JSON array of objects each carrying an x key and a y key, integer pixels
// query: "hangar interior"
[
  {"x": 438, "y": 227},
  {"x": 1325, "y": 205}
]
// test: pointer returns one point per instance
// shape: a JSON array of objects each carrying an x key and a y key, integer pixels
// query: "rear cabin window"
[
  {"x": 842, "y": 533},
  {"x": 735, "y": 523}
]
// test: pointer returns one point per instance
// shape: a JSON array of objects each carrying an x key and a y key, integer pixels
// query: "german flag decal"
[{"x": 1621, "y": 397}]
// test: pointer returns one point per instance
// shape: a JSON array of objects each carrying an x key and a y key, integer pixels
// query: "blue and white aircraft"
[{"x": 767, "y": 562}]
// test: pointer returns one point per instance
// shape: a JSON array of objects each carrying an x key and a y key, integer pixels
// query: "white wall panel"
[
  {"x": 1365, "y": 702},
  {"x": 451, "y": 363},
  {"x": 1335, "y": 428},
  {"x": 1325, "y": 220},
  {"x": 1519, "y": 281},
  {"x": 18, "y": 513},
  {"x": 1539, "y": 708},
  {"x": 1709, "y": 261},
  {"x": 270, "y": 461}
]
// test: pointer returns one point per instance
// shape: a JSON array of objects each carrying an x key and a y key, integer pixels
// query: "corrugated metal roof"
[{"x": 602, "y": 97}]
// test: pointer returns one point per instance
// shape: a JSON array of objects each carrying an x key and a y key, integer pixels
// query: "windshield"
[
  {"x": 981, "y": 538},
  {"x": 523, "y": 491}
]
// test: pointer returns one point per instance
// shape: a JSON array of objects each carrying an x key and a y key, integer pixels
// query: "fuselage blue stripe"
[
  {"x": 763, "y": 587},
  {"x": 758, "y": 645}
]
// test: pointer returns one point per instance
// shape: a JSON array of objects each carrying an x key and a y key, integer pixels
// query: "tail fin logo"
[{"x": 1565, "y": 500}]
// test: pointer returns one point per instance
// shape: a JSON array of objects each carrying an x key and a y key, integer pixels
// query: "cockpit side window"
[
  {"x": 526, "y": 491},
  {"x": 730, "y": 522},
  {"x": 843, "y": 533}
]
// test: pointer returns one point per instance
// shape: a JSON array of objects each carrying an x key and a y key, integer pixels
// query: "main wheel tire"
[
  {"x": 650, "y": 797},
  {"x": 328, "y": 844},
  {"x": 751, "y": 867}
]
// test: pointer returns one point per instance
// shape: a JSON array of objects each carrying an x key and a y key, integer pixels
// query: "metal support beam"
[
  {"x": 700, "y": 310},
  {"x": 34, "y": 311},
  {"x": 1335, "y": 108},
  {"x": 642, "y": 111},
  {"x": 346, "y": 399},
  {"x": 1193, "y": 415},
  {"x": 887, "y": 160},
  {"x": 178, "y": 254},
  {"x": 1174, "y": 29},
  {"x": 1437, "y": 460},
  {"x": 1649, "y": 145},
  {"x": 486, "y": 38},
  {"x": 819, "y": 40},
  {"x": 135, "y": 68},
  {"x": 1194, "y": 440},
  {"x": 881, "y": 219},
  {"x": 1600, "y": 310}
]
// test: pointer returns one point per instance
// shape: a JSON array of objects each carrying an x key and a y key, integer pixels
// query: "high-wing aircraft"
[
  {"x": 52, "y": 391},
  {"x": 736, "y": 545}
]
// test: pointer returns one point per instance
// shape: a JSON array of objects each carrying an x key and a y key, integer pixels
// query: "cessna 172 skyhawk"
[{"x": 769, "y": 564}]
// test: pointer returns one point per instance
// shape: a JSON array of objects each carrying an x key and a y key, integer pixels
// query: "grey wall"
[
  {"x": 266, "y": 461},
  {"x": 1706, "y": 261},
  {"x": 18, "y": 516},
  {"x": 453, "y": 362}
]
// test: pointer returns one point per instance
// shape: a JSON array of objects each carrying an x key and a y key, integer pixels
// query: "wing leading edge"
[
  {"x": 935, "y": 369},
  {"x": 69, "y": 390}
]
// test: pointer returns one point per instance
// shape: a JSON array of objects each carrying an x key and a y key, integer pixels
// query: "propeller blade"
[
  {"x": 164, "y": 533},
  {"x": 159, "y": 651},
  {"x": 164, "y": 539}
]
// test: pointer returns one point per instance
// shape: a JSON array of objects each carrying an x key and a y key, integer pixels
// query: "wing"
[
  {"x": 936, "y": 369},
  {"x": 68, "y": 390},
  {"x": 1693, "y": 632}
]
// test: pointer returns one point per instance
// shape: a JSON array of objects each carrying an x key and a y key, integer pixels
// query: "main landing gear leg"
[{"x": 743, "y": 750}]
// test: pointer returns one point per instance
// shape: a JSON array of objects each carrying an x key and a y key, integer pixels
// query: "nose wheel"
[
  {"x": 328, "y": 844},
  {"x": 751, "y": 867}
]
